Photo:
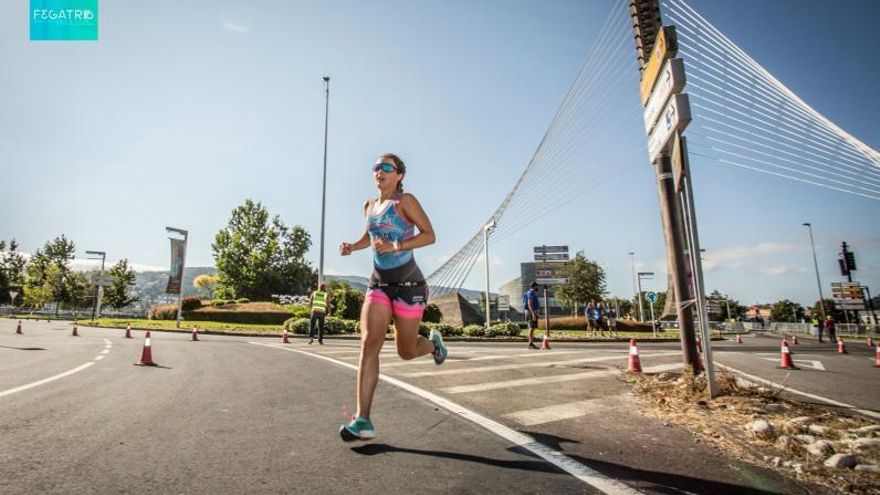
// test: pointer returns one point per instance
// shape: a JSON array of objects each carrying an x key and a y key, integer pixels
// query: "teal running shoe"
[
  {"x": 359, "y": 429},
  {"x": 440, "y": 351}
]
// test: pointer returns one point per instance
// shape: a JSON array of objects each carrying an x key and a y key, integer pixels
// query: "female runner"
[{"x": 397, "y": 287}]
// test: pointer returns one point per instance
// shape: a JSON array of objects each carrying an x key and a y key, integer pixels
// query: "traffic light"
[{"x": 850, "y": 259}]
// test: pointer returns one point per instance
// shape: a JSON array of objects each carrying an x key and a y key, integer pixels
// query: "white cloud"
[
  {"x": 774, "y": 271},
  {"x": 735, "y": 256},
  {"x": 238, "y": 28}
]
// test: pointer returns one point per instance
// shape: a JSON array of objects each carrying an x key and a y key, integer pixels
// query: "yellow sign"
[{"x": 664, "y": 47}]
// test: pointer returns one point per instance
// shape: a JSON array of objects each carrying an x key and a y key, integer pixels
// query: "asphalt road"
[{"x": 231, "y": 415}]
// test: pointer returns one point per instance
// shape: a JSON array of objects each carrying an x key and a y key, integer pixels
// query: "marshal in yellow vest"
[{"x": 319, "y": 301}]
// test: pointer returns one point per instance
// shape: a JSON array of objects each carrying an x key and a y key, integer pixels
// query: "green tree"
[
  {"x": 346, "y": 300},
  {"x": 12, "y": 272},
  {"x": 257, "y": 256},
  {"x": 830, "y": 310},
  {"x": 737, "y": 311},
  {"x": 206, "y": 282},
  {"x": 49, "y": 276},
  {"x": 786, "y": 311},
  {"x": 586, "y": 282},
  {"x": 118, "y": 295}
]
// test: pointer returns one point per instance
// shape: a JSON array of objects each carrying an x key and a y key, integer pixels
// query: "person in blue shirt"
[
  {"x": 592, "y": 314},
  {"x": 531, "y": 307}
]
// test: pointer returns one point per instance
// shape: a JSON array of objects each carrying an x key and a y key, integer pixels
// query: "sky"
[{"x": 183, "y": 110}]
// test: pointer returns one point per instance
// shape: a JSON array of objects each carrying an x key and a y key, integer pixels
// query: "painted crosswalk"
[{"x": 472, "y": 371}]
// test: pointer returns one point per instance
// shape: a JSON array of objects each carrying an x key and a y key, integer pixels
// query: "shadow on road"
[
  {"x": 664, "y": 482},
  {"x": 381, "y": 448},
  {"x": 22, "y": 348}
]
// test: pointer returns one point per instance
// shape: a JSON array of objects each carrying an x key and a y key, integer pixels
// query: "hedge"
[
  {"x": 332, "y": 326},
  {"x": 252, "y": 317},
  {"x": 190, "y": 303}
]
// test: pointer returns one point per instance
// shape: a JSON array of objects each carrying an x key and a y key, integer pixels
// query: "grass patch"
[{"x": 185, "y": 326}]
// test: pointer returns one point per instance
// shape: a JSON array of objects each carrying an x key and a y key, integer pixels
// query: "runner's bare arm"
[
  {"x": 363, "y": 242},
  {"x": 412, "y": 211}
]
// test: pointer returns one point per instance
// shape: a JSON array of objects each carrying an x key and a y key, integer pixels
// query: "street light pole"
[
  {"x": 816, "y": 266},
  {"x": 103, "y": 256},
  {"x": 324, "y": 185},
  {"x": 632, "y": 259},
  {"x": 489, "y": 227}
]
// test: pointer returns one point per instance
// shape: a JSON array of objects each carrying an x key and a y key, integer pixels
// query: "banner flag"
[{"x": 175, "y": 280}]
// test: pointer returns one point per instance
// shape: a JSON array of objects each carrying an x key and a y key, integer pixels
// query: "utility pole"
[
  {"x": 98, "y": 287},
  {"x": 324, "y": 183}
]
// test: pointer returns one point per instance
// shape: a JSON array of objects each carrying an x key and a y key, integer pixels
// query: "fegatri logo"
[{"x": 64, "y": 20}]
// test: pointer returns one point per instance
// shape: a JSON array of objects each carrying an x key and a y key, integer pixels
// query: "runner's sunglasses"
[{"x": 385, "y": 167}]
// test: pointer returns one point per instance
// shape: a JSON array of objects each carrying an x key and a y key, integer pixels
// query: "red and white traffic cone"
[
  {"x": 877, "y": 360},
  {"x": 545, "y": 343},
  {"x": 147, "y": 354},
  {"x": 195, "y": 333},
  {"x": 635, "y": 364},
  {"x": 128, "y": 331},
  {"x": 794, "y": 340},
  {"x": 284, "y": 339},
  {"x": 841, "y": 348},
  {"x": 18, "y": 328},
  {"x": 75, "y": 331},
  {"x": 785, "y": 358},
  {"x": 870, "y": 341},
  {"x": 739, "y": 339}
]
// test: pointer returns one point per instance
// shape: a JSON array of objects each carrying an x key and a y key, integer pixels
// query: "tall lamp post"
[
  {"x": 632, "y": 259},
  {"x": 816, "y": 266},
  {"x": 646, "y": 276},
  {"x": 98, "y": 289},
  {"x": 324, "y": 184},
  {"x": 487, "y": 229}
]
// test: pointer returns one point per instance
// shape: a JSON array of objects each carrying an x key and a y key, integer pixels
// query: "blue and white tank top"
[{"x": 389, "y": 225}]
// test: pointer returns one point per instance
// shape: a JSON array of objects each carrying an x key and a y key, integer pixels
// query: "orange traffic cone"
[
  {"x": 147, "y": 354},
  {"x": 635, "y": 364},
  {"x": 128, "y": 331},
  {"x": 18, "y": 328},
  {"x": 841, "y": 348},
  {"x": 870, "y": 341},
  {"x": 794, "y": 340},
  {"x": 739, "y": 340},
  {"x": 284, "y": 339},
  {"x": 195, "y": 334},
  {"x": 877, "y": 360},
  {"x": 785, "y": 358},
  {"x": 75, "y": 332},
  {"x": 545, "y": 344}
]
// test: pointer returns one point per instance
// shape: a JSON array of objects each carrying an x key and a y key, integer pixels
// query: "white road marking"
[
  {"x": 516, "y": 366},
  {"x": 588, "y": 475},
  {"x": 524, "y": 382},
  {"x": 453, "y": 354},
  {"x": 99, "y": 358},
  {"x": 105, "y": 351},
  {"x": 798, "y": 392},
  {"x": 558, "y": 412},
  {"x": 813, "y": 364},
  {"x": 45, "y": 380}
]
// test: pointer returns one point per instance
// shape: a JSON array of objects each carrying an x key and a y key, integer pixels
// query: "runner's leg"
[
  {"x": 375, "y": 318},
  {"x": 410, "y": 344}
]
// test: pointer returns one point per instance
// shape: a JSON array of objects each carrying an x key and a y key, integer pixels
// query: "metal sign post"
[{"x": 652, "y": 297}]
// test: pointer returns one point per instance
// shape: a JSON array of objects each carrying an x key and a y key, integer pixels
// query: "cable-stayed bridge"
[{"x": 743, "y": 117}]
